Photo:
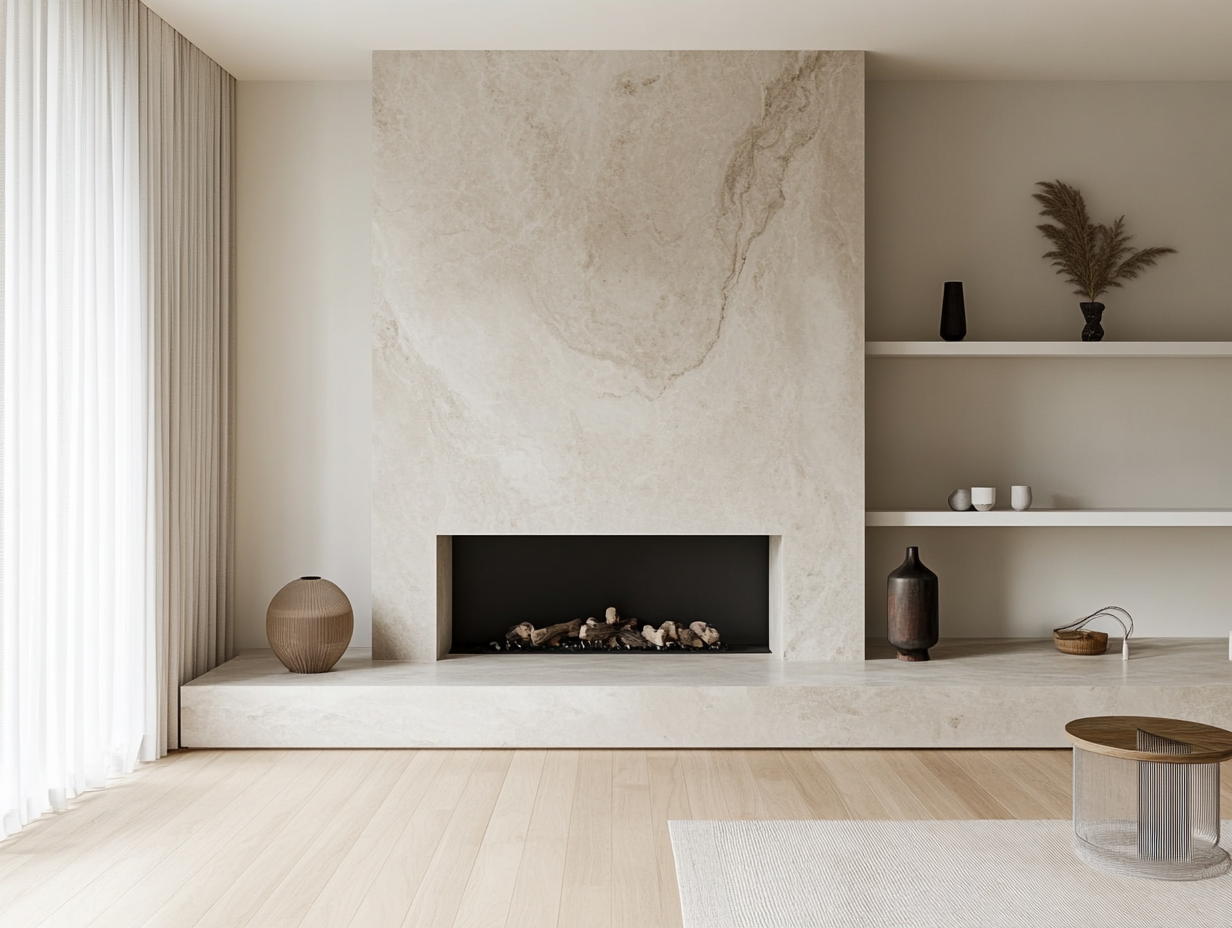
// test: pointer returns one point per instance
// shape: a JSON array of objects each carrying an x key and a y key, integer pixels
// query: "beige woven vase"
[{"x": 309, "y": 624}]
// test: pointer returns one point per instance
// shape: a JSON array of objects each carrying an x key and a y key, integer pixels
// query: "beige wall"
[
  {"x": 950, "y": 173},
  {"x": 951, "y": 169},
  {"x": 304, "y": 382}
]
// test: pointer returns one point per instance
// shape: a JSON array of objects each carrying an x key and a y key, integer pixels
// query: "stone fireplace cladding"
[{"x": 620, "y": 292}]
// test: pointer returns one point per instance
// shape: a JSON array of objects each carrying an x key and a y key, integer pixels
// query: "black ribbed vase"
[
  {"x": 953, "y": 312},
  {"x": 912, "y": 608}
]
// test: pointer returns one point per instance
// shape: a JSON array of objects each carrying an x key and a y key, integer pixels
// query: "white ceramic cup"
[
  {"x": 1020, "y": 498},
  {"x": 983, "y": 498}
]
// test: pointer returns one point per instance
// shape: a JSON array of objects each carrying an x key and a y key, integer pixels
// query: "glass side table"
[{"x": 1146, "y": 796}]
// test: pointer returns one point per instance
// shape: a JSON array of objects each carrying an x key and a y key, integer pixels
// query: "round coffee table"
[{"x": 1146, "y": 796}]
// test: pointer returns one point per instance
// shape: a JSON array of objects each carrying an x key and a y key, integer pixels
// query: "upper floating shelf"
[
  {"x": 1075, "y": 349},
  {"x": 1053, "y": 517}
]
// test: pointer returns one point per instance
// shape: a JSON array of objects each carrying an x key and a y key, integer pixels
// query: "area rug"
[{"x": 986, "y": 874}]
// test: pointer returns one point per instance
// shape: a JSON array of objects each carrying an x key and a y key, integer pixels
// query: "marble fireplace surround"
[{"x": 619, "y": 293}]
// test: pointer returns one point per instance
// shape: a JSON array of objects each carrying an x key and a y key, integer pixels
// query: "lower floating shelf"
[{"x": 1006, "y": 518}]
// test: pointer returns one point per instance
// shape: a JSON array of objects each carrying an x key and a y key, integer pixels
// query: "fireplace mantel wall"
[{"x": 620, "y": 293}]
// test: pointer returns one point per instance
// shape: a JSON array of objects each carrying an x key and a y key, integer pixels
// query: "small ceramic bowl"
[{"x": 983, "y": 498}]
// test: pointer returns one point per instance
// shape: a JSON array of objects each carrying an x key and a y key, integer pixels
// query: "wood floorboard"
[
  {"x": 164, "y": 879},
  {"x": 936, "y": 797},
  {"x": 586, "y": 893},
  {"x": 439, "y": 896},
  {"x": 780, "y": 797},
  {"x": 389, "y": 899},
  {"x": 346, "y": 888},
  {"x": 54, "y": 842},
  {"x": 241, "y": 900},
  {"x": 816, "y": 785},
  {"x": 541, "y": 872},
  {"x": 291, "y": 900},
  {"x": 78, "y": 878},
  {"x": 458, "y": 839},
  {"x": 739, "y": 785},
  {"x": 859, "y": 794},
  {"x": 493, "y": 878},
  {"x": 635, "y": 877},
  {"x": 201, "y": 889},
  {"x": 669, "y": 801}
]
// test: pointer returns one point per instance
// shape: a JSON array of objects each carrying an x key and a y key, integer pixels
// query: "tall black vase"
[
  {"x": 912, "y": 608},
  {"x": 1092, "y": 313},
  {"x": 953, "y": 312}
]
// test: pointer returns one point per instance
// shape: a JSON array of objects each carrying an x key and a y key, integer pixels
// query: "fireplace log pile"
[{"x": 610, "y": 633}]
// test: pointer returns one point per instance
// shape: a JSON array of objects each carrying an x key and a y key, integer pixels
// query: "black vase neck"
[{"x": 913, "y": 555}]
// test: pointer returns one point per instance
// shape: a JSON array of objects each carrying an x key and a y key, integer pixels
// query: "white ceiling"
[{"x": 909, "y": 39}]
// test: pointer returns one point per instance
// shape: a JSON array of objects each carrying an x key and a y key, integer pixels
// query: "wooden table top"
[{"x": 1117, "y": 736}]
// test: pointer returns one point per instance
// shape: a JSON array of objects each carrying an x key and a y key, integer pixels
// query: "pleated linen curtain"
[
  {"x": 187, "y": 105},
  {"x": 117, "y": 391}
]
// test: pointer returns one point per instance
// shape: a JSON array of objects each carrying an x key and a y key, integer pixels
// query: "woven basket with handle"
[
  {"x": 1076, "y": 638},
  {"x": 1080, "y": 642}
]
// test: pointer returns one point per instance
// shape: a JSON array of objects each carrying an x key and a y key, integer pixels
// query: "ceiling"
[{"x": 908, "y": 39}]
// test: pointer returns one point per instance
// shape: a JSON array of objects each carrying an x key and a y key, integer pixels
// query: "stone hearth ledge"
[{"x": 975, "y": 693}]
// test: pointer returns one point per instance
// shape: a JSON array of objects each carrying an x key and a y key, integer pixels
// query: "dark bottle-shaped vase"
[
  {"x": 912, "y": 608},
  {"x": 953, "y": 312},
  {"x": 1092, "y": 313}
]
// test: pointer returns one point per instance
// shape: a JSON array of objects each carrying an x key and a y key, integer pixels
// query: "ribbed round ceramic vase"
[
  {"x": 912, "y": 603},
  {"x": 309, "y": 624}
]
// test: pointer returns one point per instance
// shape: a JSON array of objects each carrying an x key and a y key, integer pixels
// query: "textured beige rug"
[{"x": 989, "y": 874}]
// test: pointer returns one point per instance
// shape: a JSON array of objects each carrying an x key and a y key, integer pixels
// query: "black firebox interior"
[{"x": 501, "y": 580}]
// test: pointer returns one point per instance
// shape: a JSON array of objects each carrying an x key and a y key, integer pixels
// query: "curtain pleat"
[
  {"x": 118, "y": 391},
  {"x": 187, "y": 119}
]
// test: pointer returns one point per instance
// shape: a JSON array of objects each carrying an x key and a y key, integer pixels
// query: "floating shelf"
[
  {"x": 940, "y": 349},
  {"x": 1004, "y": 518}
]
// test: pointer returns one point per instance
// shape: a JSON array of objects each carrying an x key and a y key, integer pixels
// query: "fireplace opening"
[{"x": 700, "y": 585}]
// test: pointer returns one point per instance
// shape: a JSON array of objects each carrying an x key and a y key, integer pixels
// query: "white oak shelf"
[
  {"x": 1075, "y": 349},
  {"x": 1006, "y": 518}
]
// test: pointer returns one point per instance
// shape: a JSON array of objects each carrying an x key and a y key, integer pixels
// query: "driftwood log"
[
  {"x": 653, "y": 635},
  {"x": 555, "y": 632},
  {"x": 631, "y": 638},
  {"x": 690, "y": 639},
  {"x": 522, "y": 632},
  {"x": 596, "y": 632},
  {"x": 612, "y": 631}
]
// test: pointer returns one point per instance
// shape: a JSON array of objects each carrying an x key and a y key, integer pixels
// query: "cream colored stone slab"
[
  {"x": 620, "y": 293},
  {"x": 975, "y": 693}
]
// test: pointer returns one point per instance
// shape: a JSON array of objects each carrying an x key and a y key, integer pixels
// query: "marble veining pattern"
[{"x": 620, "y": 293}]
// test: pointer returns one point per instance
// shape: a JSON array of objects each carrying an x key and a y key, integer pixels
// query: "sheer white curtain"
[{"x": 116, "y": 391}]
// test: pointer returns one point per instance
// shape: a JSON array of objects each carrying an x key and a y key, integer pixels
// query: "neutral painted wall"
[
  {"x": 950, "y": 173},
  {"x": 951, "y": 170},
  {"x": 304, "y": 322}
]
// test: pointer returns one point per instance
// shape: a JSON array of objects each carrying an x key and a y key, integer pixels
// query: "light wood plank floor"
[{"x": 458, "y": 839}]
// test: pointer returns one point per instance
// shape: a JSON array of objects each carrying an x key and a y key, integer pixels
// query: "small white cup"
[
  {"x": 1020, "y": 498},
  {"x": 983, "y": 498}
]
